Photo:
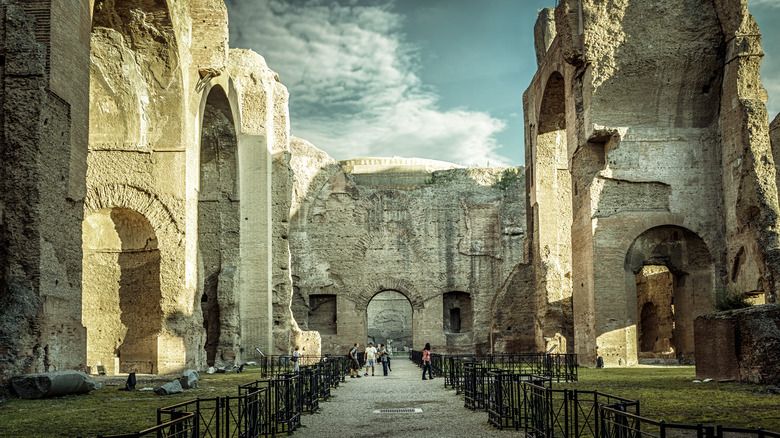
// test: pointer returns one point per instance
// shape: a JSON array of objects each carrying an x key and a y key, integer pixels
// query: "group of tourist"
[{"x": 371, "y": 356}]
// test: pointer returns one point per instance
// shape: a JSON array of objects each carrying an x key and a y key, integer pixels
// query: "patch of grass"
[
  {"x": 668, "y": 393},
  {"x": 108, "y": 410}
]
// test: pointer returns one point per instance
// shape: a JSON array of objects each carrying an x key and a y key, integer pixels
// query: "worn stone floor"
[{"x": 350, "y": 412}]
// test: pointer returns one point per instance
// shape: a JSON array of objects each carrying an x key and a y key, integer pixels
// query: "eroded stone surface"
[
  {"x": 658, "y": 161},
  {"x": 742, "y": 344},
  {"x": 459, "y": 232}
]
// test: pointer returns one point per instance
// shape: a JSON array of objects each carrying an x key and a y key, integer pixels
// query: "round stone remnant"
[{"x": 55, "y": 384}]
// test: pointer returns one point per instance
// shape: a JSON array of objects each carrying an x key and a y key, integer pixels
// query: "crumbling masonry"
[{"x": 157, "y": 215}]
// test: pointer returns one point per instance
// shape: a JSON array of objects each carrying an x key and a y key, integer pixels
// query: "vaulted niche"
[
  {"x": 550, "y": 218},
  {"x": 389, "y": 315},
  {"x": 218, "y": 230},
  {"x": 121, "y": 291},
  {"x": 672, "y": 275},
  {"x": 457, "y": 312},
  {"x": 322, "y": 314},
  {"x": 655, "y": 307}
]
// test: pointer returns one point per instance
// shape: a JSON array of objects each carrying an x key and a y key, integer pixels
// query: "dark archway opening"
[
  {"x": 121, "y": 307},
  {"x": 389, "y": 320},
  {"x": 218, "y": 229},
  {"x": 674, "y": 276}
]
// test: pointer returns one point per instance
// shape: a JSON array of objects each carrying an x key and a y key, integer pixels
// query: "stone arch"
[
  {"x": 692, "y": 284},
  {"x": 167, "y": 227},
  {"x": 172, "y": 354},
  {"x": 400, "y": 285},
  {"x": 550, "y": 210},
  {"x": 219, "y": 228},
  {"x": 122, "y": 295},
  {"x": 389, "y": 320}
]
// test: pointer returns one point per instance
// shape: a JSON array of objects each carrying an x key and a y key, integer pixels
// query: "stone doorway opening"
[
  {"x": 655, "y": 310},
  {"x": 219, "y": 230},
  {"x": 389, "y": 321},
  {"x": 121, "y": 285},
  {"x": 673, "y": 277}
]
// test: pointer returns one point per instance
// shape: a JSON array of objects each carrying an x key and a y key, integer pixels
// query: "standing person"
[
  {"x": 354, "y": 366},
  {"x": 384, "y": 358},
  {"x": 295, "y": 356},
  {"x": 369, "y": 356},
  {"x": 427, "y": 361}
]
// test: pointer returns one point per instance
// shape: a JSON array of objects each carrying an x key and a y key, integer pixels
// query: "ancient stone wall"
[
  {"x": 42, "y": 129},
  {"x": 774, "y": 137},
  {"x": 131, "y": 129},
  {"x": 630, "y": 91},
  {"x": 741, "y": 344},
  {"x": 462, "y": 231}
]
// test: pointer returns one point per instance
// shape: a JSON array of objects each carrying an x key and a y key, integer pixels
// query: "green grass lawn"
[
  {"x": 668, "y": 393},
  {"x": 108, "y": 410}
]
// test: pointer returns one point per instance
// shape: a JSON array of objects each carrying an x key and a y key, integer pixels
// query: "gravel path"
[{"x": 350, "y": 410}]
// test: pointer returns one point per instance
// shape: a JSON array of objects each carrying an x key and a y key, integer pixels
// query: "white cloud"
[
  {"x": 353, "y": 85},
  {"x": 772, "y": 85},
  {"x": 767, "y": 3}
]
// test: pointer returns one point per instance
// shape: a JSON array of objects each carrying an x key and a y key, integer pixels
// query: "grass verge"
[{"x": 669, "y": 393}]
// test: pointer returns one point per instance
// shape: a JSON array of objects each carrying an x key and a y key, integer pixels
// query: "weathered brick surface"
[{"x": 742, "y": 344}]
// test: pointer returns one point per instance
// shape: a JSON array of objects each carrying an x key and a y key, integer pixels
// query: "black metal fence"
[
  {"x": 559, "y": 367},
  {"x": 618, "y": 423},
  {"x": 263, "y": 408}
]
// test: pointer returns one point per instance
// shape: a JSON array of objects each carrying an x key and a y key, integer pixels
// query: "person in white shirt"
[
  {"x": 295, "y": 356},
  {"x": 370, "y": 357}
]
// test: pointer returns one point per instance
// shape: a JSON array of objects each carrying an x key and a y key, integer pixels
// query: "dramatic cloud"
[{"x": 353, "y": 85}]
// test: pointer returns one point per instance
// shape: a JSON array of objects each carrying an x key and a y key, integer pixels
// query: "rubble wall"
[
  {"x": 43, "y": 129},
  {"x": 740, "y": 344},
  {"x": 462, "y": 231},
  {"x": 636, "y": 88}
]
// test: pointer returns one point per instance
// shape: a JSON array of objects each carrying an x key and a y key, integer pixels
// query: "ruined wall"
[
  {"x": 463, "y": 231},
  {"x": 774, "y": 137},
  {"x": 632, "y": 90},
  {"x": 42, "y": 130},
  {"x": 740, "y": 344}
]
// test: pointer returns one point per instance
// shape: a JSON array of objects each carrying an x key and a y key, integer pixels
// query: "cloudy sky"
[{"x": 440, "y": 79}]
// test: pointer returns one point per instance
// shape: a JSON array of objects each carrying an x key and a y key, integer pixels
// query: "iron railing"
[
  {"x": 183, "y": 426},
  {"x": 617, "y": 423},
  {"x": 263, "y": 408},
  {"x": 507, "y": 398},
  {"x": 558, "y": 367}
]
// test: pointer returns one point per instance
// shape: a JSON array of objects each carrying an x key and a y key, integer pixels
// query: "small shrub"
[
  {"x": 507, "y": 178},
  {"x": 733, "y": 301}
]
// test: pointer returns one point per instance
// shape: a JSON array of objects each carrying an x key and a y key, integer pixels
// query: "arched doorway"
[
  {"x": 389, "y": 320},
  {"x": 121, "y": 291},
  {"x": 549, "y": 185},
  {"x": 219, "y": 230},
  {"x": 670, "y": 273}
]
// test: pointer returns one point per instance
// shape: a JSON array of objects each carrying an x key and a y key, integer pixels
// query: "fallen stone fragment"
[
  {"x": 55, "y": 384},
  {"x": 173, "y": 387},
  {"x": 189, "y": 379}
]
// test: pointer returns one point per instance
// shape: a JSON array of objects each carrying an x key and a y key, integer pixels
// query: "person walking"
[
  {"x": 354, "y": 366},
  {"x": 384, "y": 358},
  {"x": 369, "y": 356},
  {"x": 426, "y": 357},
  {"x": 295, "y": 356}
]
